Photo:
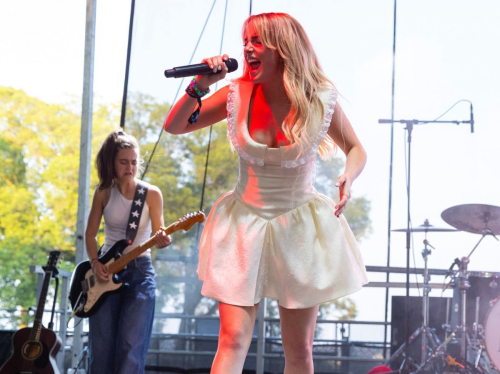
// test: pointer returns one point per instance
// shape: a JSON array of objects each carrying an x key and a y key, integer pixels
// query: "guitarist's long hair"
[{"x": 105, "y": 159}]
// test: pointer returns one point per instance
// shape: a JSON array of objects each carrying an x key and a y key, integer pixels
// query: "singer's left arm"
[{"x": 342, "y": 133}]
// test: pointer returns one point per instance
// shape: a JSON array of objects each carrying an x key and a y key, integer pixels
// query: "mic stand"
[
  {"x": 55, "y": 274},
  {"x": 409, "y": 127}
]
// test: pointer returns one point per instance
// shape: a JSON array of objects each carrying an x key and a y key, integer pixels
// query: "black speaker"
[{"x": 437, "y": 317}]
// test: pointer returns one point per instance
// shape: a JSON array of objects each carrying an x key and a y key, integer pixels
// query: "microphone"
[
  {"x": 456, "y": 262},
  {"x": 471, "y": 119},
  {"x": 198, "y": 69}
]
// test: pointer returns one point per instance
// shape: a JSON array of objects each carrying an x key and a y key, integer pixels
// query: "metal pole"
[
  {"x": 127, "y": 66},
  {"x": 85, "y": 154},
  {"x": 63, "y": 305},
  {"x": 387, "y": 277}
]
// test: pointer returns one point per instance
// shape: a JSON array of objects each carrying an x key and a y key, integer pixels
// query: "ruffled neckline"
[{"x": 238, "y": 101}]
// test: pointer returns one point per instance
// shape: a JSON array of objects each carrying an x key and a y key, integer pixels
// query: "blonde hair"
[{"x": 303, "y": 76}]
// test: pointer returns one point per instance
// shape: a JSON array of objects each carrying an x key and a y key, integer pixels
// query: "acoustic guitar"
[
  {"x": 87, "y": 294},
  {"x": 35, "y": 348}
]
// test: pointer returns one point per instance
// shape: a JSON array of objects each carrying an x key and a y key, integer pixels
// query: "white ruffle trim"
[
  {"x": 309, "y": 155},
  {"x": 231, "y": 126}
]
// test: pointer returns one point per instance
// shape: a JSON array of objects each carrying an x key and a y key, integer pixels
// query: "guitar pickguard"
[{"x": 96, "y": 289}]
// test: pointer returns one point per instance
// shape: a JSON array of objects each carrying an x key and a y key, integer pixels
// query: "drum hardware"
[
  {"x": 463, "y": 285},
  {"x": 440, "y": 352},
  {"x": 474, "y": 218},
  {"x": 460, "y": 284},
  {"x": 477, "y": 344},
  {"x": 401, "y": 350},
  {"x": 485, "y": 220},
  {"x": 429, "y": 337},
  {"x": 426, "y": 227},
  {"x": 474, "y": 337},
  {"x": 428, "y": 333}
]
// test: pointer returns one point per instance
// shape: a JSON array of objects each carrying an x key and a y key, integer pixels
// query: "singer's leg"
[
  {"x": 235, "y": 336},
  {"x": 297, "y": 334}
]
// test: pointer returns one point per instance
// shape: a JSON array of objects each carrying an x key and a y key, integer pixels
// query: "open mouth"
[{"x": 253, "y": 64}]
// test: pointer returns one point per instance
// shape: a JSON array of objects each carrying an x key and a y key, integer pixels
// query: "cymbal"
[
  {"x": 426, "y": 227},
  {"x": 474, "y": 218}
]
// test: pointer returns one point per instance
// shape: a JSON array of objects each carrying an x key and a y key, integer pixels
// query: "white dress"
[{"x": 274, "y": 235}]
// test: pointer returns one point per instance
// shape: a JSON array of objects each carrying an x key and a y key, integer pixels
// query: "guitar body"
[
  {"x": 34, "y": 357},
  {"x": 86, "y": 294}
]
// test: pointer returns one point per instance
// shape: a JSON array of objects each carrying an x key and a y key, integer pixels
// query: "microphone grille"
[{"x": 231, "y": 64}]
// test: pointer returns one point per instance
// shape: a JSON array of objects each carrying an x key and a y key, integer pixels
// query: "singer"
[{"x": 274, "y": 235}]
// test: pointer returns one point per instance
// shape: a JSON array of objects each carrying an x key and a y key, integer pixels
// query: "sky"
[{"x": 446, "y": 51}]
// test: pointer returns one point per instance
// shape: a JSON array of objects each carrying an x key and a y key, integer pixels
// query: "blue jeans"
[{"x": 120, "y": 330}]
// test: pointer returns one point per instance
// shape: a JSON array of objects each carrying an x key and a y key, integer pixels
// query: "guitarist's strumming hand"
[
  {"x": 100, "y": 271},
  {"x": 162, "y": 240}
]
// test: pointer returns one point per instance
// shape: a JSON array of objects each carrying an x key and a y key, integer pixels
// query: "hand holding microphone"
[
  {"x": 217, "y": 65},
  {"x": 211, "y": 70}
]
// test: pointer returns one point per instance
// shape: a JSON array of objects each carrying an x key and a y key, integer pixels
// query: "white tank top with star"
[{"x": 116, "y": 215}]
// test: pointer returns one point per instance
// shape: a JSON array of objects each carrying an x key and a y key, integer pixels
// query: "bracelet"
[
  {"x": 92, "y": 261},
  {"x": 193, "y": 91}
]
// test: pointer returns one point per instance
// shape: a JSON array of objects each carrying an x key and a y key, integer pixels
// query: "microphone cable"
[
  {"x": 450, "y": 108},
  {"x": 177, "y": 93}
]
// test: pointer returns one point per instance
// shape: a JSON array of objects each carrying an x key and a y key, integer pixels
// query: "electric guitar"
[
  {"x": 87, "y": 294},
  {"x": 35, "y": 348}
]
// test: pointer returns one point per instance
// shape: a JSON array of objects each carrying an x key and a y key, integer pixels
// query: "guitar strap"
[{"x": 138, "y": 203}]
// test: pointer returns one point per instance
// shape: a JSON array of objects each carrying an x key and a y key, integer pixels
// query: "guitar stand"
[
  {"x": 84, "y": 355},
  {"x": 55, "y": 274},
  {"x": 52, "y": 313}
]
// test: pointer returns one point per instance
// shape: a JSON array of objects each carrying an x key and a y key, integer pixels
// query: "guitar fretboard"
[
  {"x": 37, "y": 324},
  {"x": 120, "y": 264}
]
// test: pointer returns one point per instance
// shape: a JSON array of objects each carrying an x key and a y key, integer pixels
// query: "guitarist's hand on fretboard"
[
  {"x": 162, "y": 239},
  {"x": 100, "y": 271}
]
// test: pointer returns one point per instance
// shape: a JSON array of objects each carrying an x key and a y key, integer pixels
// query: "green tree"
[{"x": 39, "y": 143}]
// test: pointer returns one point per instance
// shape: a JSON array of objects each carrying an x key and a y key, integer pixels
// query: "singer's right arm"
[{"x": 213, "y": 110}]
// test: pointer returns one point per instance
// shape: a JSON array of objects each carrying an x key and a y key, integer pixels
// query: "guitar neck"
[
  {"x": 37, "y": 324},
  {"x": 120, "y": 263}
]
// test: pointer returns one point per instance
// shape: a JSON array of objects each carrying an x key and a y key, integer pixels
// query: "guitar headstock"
[
  {"x": 186, "y": 222},
  {"x": 52, "y": 261}
]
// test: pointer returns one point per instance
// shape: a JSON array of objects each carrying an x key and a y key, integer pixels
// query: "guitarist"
[{"x": 120, "y": 330}]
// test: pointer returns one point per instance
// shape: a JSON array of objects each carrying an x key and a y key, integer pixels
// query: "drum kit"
[{"x": 472, "y": 340}]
